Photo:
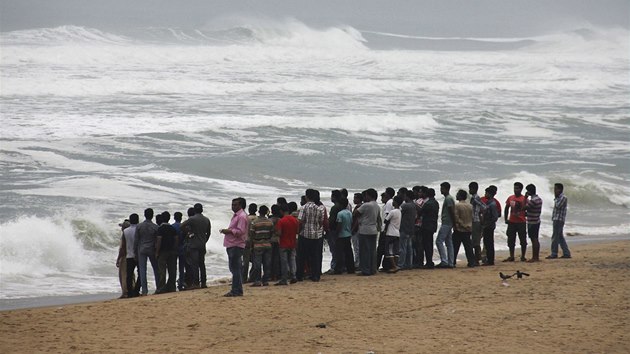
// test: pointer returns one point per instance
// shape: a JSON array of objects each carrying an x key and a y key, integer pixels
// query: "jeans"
[
  {"x": 355, "y": 248},
  {"x": 488, "y": 242},
  {"x": 197, "y": 267},
  {"x": 167, "y": 261},
  {"x": 445, "y": 234},
  {"x": 345, "y": 258},
  {"x": 142, "y": 268},
  {"x": 287, "y": 263},
  {"x": 262, "y": 257},
  {"x": 275, "y": 261},
  {"x": 463, "y": 238},
  {"x": 476, "y": 240},
  {"x": 557, "y": 238},
  {"x": 367, "y": 247},
  {"x": 235, "y": 262},
  {"x": 406, "y": 251},
  {"x": 331, "y": 239}
]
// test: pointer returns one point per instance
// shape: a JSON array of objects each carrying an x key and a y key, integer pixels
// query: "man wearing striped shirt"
[
  {"x": 260, "y": 232},
  {"x": 311, "y": 219},
  {"x": 532, "y": 211},
  {"x": 558, "y": 217}
]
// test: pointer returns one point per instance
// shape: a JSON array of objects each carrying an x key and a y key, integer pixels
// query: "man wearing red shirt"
[
  {"x": 516, "y": 222},
  {"x": 287, "y": 229}
]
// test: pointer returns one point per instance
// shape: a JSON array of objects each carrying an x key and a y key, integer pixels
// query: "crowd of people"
[{"x": 285, "y": 243}]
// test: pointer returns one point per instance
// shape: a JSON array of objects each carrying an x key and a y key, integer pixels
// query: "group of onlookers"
[{"x": 285, "y": 243}]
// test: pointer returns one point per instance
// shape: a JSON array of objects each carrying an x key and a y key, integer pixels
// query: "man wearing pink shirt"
[{"x": 234, "y": 243}]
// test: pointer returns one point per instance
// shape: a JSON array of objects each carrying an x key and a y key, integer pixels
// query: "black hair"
[
  {"x": 166, "y": 216},
  {"x": 253, "y": 208},
  {"x": 241, "y": 201},
  {"x": 344, "y": 192},
  {"x": 276, "y": 211},
  {"x": 336, "y": 194},
  {"x": 531, "y": 189},
  {"x": 431, "y": 193},
  {"x": 560, "y": 186},
  {"x": 284, "y": 208},
  {"x": 302, "y": 200},
  {"x": 446, "y": 185},
  {"x": 158, "y": 219},
  {"x": 390, "y": 191},
  {"x": 134, "y": 219},
  {"x": 359, "y": 195},
  {"x": 263, "y": 210},
  {"x": 190, "y": 212},
  {"x": 292, "y": 206},
  {"x": 398, "y": 200},
  {"x": 148, "y": 213},
  {"x": 416, "y": 189},
  {"x": 461, "y": 195},
  {"x": 410, "y": 194},
  {"x": 310, "y": 194},
  {"x": 198, "y": 208},
  {"x": 473, "y": 186},
  {"x": 281, "y": 201},
  {"x": 492, "y": 190},
  {"x": 177, "y": 216},
  {"x": 343, "y": 203},
  {"x": 518, "y": 184}
]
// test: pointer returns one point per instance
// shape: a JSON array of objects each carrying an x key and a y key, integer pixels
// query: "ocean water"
[{"x": 97, "y": 125}]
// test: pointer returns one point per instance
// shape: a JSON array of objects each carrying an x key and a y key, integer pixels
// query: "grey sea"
[{"x": 98, "y": 124}]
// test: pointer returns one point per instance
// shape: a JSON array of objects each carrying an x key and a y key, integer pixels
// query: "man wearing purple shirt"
[{"x": 234, "y": 243}]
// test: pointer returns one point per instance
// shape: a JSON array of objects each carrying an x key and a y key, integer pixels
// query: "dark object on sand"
[
  {"x": 505, "y": 277},
  {"x": 321, "y": 325},
  {"x": 519, "y": 274}
]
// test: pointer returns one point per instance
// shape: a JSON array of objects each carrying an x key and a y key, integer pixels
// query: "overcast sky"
[{"x": 419, "y": 17}]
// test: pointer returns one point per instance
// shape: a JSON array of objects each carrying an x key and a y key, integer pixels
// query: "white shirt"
[
  {"x": 389, "y": 206},
  {"x": 394, "y": 217},
  {"x": 130, "y": 236}
]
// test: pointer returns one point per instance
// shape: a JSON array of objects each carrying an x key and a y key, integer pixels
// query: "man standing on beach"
[
  {"x": 445, "y": 235},
  {"x": 386, "y": 199},
  {"x": 144, "y": 246},
  {"x": 514, "y": 215},
  {"x": 130, "y": 235},
  {"x": 311, "y": 219},
  {"x": 247, "y": 253},
  {"x": 234, "y": 243},
  {"x": 287, "y": 229},
  {"x": 429, "y": 215},
  {"x": 408, "y": 219},
  {"x": 489, "y": 223},
  {"x": 463, "y": 228},
  {"x": 260, "y": 232},
  {"x": 368, "y": 215},
  {"x": 166, "y": 254},
  {"x": 558, "y": 217},
  {"x": 478, "y": 208},
  {"x": 198, "y": 229},
  {"x": 532, "y": 211},
  {"x": 181, "y": 250}
]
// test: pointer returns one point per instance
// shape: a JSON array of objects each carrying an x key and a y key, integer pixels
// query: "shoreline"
[{"x": 64, "y": 300}]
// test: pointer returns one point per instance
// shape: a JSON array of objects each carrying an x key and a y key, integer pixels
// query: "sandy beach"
[{"x": 565, "y": 305}]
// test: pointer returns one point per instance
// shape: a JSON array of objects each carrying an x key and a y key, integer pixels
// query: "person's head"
[
  {"x": 461, "y": 195},
  {"x": 303, "y": 200},
  {"x": 416, "y": 192},
  {"x": 263, "y": 211},
  {"x": 518, "y": 188},
  {"x": 318, "y": 199},
  {"x": 445, "y": 188},
  {"x": 385, "y": 197},
  {"x": 292, "y": 207},
  {"x": 390, "y": 191},
  {"x": 276, "y": 211},
  {"x": 177, "y": 216},
  {"x": 397, "y": 202},
  {"x": 424, "y": 192},
  {"x": 166, "y": 216},
  {"x": 409, "y": 195},
  {"x": 125, "y": 224},
  {"x": 238, "y": 204},
  {"x": 343, "y": 203},
  {"x": 494, "y": 189},
  {"x": 371, "y": 194},
  {"x": 158, "y": 219},
  {"x": 531, "y": 189},
  {"x": 335, "y": 196},
  {"x": 558, "y": 188},
  {"x": 473, "y": 187},
  {"x": 344, "y": 193},
  {"x": 190, "y": 212},
  {"x": 281, "y": 200},
  {"x": 134, "y": 219},
  {"x": 252, "y": 209},
  {"x": 310, "y": 195},
  {"x": 148, "y": 213},
  {"x": 284, "y": 208},
  {"x": 198, "y": 208},
  {"x": 491, "y": 191},
  {"x": 357, "y": 199},
  {"x": 431, "y": 193},
  {"x": 401, "y": 192}
]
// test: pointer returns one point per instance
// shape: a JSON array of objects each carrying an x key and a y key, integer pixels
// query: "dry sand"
[{"x": 579, "y": 305}]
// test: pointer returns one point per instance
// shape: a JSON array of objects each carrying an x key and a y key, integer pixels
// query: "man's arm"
[
  {"x": 506, "y": 211},
  {"x": 122, "y": 250}
]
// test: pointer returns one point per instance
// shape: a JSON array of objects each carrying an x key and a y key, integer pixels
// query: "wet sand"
[{"x": 565, "y": 305}]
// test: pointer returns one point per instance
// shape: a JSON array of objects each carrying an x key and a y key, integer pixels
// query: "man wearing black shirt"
[{"x": 166, "y": 254}]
